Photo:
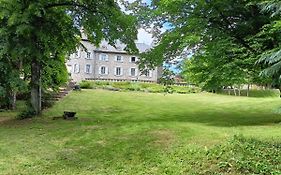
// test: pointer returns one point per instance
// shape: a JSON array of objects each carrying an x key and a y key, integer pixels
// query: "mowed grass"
[{"x": 135, "y": 133}]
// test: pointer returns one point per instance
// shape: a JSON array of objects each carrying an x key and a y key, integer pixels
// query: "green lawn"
[{"x": 142, "y": 133}]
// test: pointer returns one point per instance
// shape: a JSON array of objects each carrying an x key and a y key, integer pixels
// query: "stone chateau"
[{"x": 108, "y": 63}]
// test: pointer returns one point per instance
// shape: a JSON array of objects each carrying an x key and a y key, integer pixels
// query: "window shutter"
[
  {"x": 100, "y": 70},
  {"x": 86, "y": 68},
  {"x": 100, "y": 57},
  {"x": 115, "y": 58},
  {"x": 130, "y": 71},
  {"x": 106, "y": 57},
  {"x": 92, "y": 55},
  {"x": 78, "y": 68},
  {"x": 115, "y": 69},
  {"x": 91, "y": 69},
  {"x": 121, "y": 71},
  {"x": 106, "y": 71},
  {"x": 121, "y": 58}
]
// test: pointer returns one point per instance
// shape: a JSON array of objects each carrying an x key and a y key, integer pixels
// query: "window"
[
  {"x": 88, "y": 55},
  {"x": 133, "y": 59},
  {"x": 77, "y": 54},
  {"x": 103, "y": 57},
  {"x": 147, "y": 73},
  {"x": 119, "y": 48},
  {"x": 133, "y": 72},
  {"x": 118, "y": 71},
  {"x": 76, "y": 68},
  {"x": 88, "y": 69},
  {"x": 119, "y": 58},
  {"x": 103, "y": 70}
]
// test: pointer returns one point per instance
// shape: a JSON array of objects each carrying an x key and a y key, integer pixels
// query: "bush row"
[
  {"x": 253, "y": 92},
  {"x": 137, "y": 86}
]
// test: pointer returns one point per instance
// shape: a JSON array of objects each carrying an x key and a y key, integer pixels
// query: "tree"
[
  {"x": 40, "y": 32},
  {"x": 272, "y": 58},
  {"x": 10, "y": 82},
  {"x": 229, "y": 33}
]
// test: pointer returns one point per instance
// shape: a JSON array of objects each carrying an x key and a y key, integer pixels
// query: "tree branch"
[{"x": 69, "y": 4}]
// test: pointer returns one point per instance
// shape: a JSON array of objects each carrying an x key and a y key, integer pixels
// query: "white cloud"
[{"x": 144, "y": 37}]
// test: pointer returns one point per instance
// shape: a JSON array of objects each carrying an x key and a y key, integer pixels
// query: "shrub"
[
  {"x": 101, "y": 83},
  {"x": 156, "y": 89},
  {"x": 28, "y": 112},
  {"x": 136, "y": 86},
  {"x": 121, "y": 85},
  {"x": 182, "y": 89},
  {"x": 86, "y": 85},
  {"x": 145, "y": 85}
]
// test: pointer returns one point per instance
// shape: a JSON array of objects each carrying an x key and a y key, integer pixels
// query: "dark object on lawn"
[
  {"x": 77, "y": 88},
  {"x": 69, "y": 115},
  {"x": 112, "y": 89},
  {"x": 56, "y": 118}
]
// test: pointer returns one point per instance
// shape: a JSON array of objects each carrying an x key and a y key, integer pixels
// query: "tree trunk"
[
  {"x": 239, "y": 90},
  {"x": 13, "y": 100},
  {"x": 234, "y": 90},
  {"x": 36, "y": 86},
  {"x": 248, "y": 90}
]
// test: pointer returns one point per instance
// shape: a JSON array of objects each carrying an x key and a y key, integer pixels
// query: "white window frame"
[
  {"x": 133, "y": 61},
  {"x": 130, "y": 72},
  {"x": 103, "y": 57},
  {"x": 121, "y": 71},
  {"x": 88, "y": 55},
  {"x": 149, "y": 73},
  {"x": 77, "y": 54},
  {"x": 90, "y": 69},
  {"x": 105, "y": 70},
  {"x": 121, "y": 58},
  {"x": 76, "y": 68}
]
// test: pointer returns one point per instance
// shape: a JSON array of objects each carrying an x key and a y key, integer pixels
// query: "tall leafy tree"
[
  {"x": 204, "y": 27},
  {"x": 10, "y": 82},
  {"x": 40, "y": 32},
  {"x": 272, "y": 58}
]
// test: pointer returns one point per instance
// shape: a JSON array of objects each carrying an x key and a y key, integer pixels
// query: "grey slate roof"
[{"x": 119, "y": 47}]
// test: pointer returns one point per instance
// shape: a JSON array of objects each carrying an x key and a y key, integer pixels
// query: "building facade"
[{"x": 108, "y": 63}]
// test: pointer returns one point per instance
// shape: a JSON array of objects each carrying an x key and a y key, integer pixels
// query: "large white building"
[{"x": 108, "y": 63}]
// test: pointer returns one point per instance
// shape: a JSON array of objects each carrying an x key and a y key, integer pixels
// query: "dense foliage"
[
  {"x": 137, "y": 86},
  {"x": 225, "y": 38},
  {"x": 42, "y": 33}
]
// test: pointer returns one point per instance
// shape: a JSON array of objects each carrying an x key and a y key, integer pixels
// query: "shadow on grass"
[{"x": 221, "y": 119}]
